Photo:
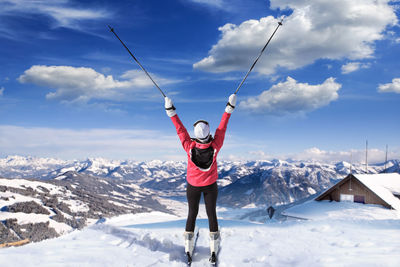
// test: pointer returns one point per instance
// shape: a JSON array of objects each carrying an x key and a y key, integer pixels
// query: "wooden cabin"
[{"x": 381, "y": 189}]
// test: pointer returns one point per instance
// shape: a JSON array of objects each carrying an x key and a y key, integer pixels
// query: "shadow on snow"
[{"x": 202, "y": 223}]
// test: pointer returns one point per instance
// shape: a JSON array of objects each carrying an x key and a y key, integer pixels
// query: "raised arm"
[
  {"x": 180, "y": 129},
  {"x": 221, "y": 130}
]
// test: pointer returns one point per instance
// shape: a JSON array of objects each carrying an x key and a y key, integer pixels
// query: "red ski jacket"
[{"x": 198, "y": 176}]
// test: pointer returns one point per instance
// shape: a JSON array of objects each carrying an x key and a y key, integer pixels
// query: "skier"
[{"x": 202, "y": 172}]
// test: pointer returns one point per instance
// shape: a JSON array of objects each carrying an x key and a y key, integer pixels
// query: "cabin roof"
[{"x": 384, "y": 185}]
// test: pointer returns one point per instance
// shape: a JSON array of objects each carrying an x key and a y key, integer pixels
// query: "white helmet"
[{"x": 201, "y": 130}]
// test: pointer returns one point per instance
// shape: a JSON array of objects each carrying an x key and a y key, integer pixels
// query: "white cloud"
[
  {"x": 60, "y": 11},
  {"x": 1, "y": 90},
  {"x": 291, "y": 97},
  {"x": 70, "y": 143},
  {"x": 393, "y": 87},
  {"x": 350, "y": 67},
  {"x": 356, "y": 156},
  {"x": 213, "y": 3},
  {"x": 354, "y": 66},
  {"x": 79, "y": 85},
  {"x": 139, "y": 145},
  {"x": 317, "y": 154},
  {"x": 315, "y": 30}
]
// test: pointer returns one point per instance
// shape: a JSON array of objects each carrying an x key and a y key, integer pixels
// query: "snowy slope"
[
  {"x": 37, "y": 210},
  {"x": 321, "y": 210},
  {"x": 155, "y": 239}
]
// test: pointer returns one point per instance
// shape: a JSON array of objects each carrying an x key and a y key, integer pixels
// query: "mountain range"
[{"x": 257, "y": 182}]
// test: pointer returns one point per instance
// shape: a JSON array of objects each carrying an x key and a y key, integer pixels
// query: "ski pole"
[
  {"x": 265, "y": 46},
  {"x": 137, "y": 61}
]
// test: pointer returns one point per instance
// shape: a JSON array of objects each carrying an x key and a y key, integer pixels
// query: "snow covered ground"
[
  {"x": 155, "y": 239},
  {"x": 347, "y": 211}
]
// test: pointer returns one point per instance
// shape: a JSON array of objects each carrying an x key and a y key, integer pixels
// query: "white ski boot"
[
  {"x": 189, "y": 245},
  {"x": 214, "y": 246}
]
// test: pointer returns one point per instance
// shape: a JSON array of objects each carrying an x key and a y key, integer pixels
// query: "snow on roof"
[{"x": 385, "y": 185}]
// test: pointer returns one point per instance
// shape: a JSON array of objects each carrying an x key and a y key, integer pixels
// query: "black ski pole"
[
  {"x": 140, "y": 65},
  {"x": 265, "y": 46}
]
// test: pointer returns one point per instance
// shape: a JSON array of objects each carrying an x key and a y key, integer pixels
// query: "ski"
[
  {"x": 189, "y": 255},
  {"x": 189, "y": 259}
]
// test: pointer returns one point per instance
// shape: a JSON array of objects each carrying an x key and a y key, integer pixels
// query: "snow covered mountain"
[
  {"x": 281, "y": 182},
  {"x": 29, "y": 167},
  {"x": 48, "y": 168},
  {"x": 37, "y": 210}
]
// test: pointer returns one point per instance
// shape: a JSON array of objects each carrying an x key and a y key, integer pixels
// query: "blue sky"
[{"x": 329, "y": 80}]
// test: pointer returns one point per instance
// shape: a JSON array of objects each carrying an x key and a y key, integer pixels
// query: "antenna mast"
[
  {"x": 366, "y": 156},
  {"x": 351, "y": 162}
]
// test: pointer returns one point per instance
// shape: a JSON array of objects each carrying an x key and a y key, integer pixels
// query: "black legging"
[{"x": 193, "y": 194}]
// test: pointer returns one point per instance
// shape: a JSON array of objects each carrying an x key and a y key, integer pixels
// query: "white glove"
[
  {"x": 169, "y": 107},
  {"x": 230, "y": 106}
]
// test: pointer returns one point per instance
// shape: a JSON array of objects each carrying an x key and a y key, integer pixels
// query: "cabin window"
[{"x": 346, "y": 198}]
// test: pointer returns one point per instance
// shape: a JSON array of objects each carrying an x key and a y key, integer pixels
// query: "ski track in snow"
[{"x": 156, "y": 239}]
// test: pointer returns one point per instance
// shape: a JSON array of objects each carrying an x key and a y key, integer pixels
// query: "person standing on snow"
[{"x": 202, "y": 172}]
